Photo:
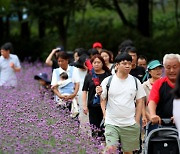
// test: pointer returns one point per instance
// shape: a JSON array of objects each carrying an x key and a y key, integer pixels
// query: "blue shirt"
[{"x": 67, "y": 89}]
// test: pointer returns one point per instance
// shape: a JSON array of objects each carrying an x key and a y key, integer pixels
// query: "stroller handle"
[
  {"x": 167, "y": 122},
  {"x": 164, "y": 122}
]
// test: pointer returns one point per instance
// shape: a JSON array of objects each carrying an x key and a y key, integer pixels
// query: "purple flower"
[{"x": 32, "y": 124}]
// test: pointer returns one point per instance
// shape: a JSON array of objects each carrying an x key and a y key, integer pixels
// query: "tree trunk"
[
  {"x": 143, "y": 17},
  {"x": 7, "y": 26},
  {"x": 162, "y": 6},
  {"x": 1, "y": 28},
  {"x": 25, "y": 32},
  {"x": 62, "y": 32},
  {"x": 151, "y": 18},
  {"x": 42, "y": 28},
  {"x": 120, "y": 13}
]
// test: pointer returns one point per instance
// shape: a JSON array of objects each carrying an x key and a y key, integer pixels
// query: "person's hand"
[
  {"x": 144, "y": 121},
  {"x": 85, "y": 110},
  {"x": 65, "y": 97},
  {"x": 98, "y": 90},
  {"x": 11, "y": 64},
  {"x": 69, "y": 97},
  {"x": 62, "y": 97},
  {"x": 155, "y": 119},
  {"x": 172, "y": 119},
  {"x": 54, "y": 51},
  {"x": 104, "y": 115}
]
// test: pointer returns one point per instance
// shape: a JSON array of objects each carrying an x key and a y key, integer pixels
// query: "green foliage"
[
  {"x": 5, "y": 4},
  {"x": 86, "y": 22}
]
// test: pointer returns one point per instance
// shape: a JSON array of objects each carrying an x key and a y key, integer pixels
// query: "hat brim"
[
  {"x": 154, "y": 66},
  {"x": 38, "y": 77}
]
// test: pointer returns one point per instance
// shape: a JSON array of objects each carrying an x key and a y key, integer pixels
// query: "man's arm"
[
  {"x": 139, "y": 105},
  {"x": 16, "y": 69},
  {"x": 103, "y": 106},
  {"x": 152, "y": 107},
  {"x": 152, "y": 110},
  {"x": 144, "y": 117}
]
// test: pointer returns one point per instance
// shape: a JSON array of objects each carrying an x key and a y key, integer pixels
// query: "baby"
[{"x": 65, "y": 87}]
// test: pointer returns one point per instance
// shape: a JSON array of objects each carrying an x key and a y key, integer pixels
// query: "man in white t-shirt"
[
  {"x": 121, "y": 114},
  {"x": 9, "y": 65}
]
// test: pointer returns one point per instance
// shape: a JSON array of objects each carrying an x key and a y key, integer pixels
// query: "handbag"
[{"x": 74, "y": 108}]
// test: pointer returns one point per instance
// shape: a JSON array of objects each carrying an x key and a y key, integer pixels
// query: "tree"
[
  {"x": 57, "y": 13},
  {"x": 176, "y": 12},
  {"x": 39, "y": 10},
  {"x": 143, "y": 18},
  {"x": 143, "y": 22},
  {"x": 111, "y": 5},
  {"x": 4, "y": 14}
]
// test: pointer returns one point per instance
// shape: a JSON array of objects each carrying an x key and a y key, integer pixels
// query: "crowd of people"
[{"x": 139, "y": 90}]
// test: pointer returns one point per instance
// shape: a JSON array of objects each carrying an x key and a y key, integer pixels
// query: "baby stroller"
[{"x": 163, "y": 139}]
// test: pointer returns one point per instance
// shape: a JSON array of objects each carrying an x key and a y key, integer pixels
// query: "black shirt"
[
  {"x": 138, "y": 72},
  {"x": 90, "y": 87},
  {"x": 161, "y": 94}
]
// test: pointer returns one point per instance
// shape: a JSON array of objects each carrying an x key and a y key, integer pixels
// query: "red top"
[{"x": 154, "y": 93}]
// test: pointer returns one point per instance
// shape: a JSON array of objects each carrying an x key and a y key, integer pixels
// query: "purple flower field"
[{"x": 32, "y": 124}]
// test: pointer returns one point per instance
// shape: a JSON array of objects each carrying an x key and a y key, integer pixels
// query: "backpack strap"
[
  {"x": 109, "y": 82},
  {"x": 108, "y": 85},
  {"x": 135, "y": 79},
  {"x": 113, "y": 65}
]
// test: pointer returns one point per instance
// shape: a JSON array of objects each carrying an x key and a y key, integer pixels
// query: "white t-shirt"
[
  {"x": 120, "y": 109},
  {"x": 7, "y": 74},
  {"x": 176, "y": 114},
  {"x": 81, "y": 73}
]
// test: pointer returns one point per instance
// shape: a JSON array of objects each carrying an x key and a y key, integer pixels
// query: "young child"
[
  {"x": 44, "y": 83},
  {"x": 66, "y": 87}
]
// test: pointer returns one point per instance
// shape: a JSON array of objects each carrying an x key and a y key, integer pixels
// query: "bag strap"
[
  {"x": 108, "y": 85},
  {"x": 136, "y": 87},
  {"x": 113, "y": 65},
  {"x": 109, "y": 82}
]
